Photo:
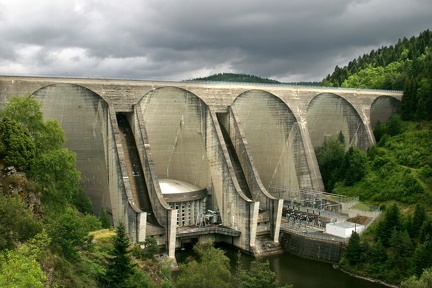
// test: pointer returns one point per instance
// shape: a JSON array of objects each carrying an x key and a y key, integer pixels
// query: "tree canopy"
[
  {"x": 16, "y": 146},
  {"x": 209, "y": 269}
]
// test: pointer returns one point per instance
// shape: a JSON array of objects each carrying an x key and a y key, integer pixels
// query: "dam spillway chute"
[{"x": 134, "y": 169}]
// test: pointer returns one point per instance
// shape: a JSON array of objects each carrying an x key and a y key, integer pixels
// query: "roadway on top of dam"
[
  {"x": 188, "y": 83},
  {"x": 74, "y": 79}
]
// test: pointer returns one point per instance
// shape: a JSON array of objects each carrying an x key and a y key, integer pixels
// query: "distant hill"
[{"x": 234, "y": 77}]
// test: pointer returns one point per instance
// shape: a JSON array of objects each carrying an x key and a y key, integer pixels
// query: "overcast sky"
[{"x": 286, "y": 40}]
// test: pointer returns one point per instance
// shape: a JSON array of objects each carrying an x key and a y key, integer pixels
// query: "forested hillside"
[
  {"x": 405, "y": 66},
  {"x": 235, "y": 77},
  {"x": 395, "y": 174}
]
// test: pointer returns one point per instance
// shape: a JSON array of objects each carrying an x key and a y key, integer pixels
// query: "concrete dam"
[{"x": 197, "y": 161}]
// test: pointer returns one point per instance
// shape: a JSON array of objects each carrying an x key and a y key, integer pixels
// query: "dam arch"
[
  {"x": 175, "y": 124},
  {"x": 382, "y": 108},
  {"x": 83, "y": 115},
  {"x": 275, "y": 141},
  {"x": 328, "y": 114}
]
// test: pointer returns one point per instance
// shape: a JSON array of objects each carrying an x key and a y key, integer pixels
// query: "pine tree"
[
  {"x": 120, "y": 267},
  {"x": 418, "y": 220},
  {"x": 354, "y": 250}
]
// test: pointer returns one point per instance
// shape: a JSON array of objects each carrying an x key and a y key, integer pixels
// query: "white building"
[{"x": 343, "y": 229}]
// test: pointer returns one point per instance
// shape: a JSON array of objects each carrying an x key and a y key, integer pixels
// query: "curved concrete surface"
[
  {"x": 272, "y": 133},
  {"x": 180, "y": 191},
  {"x": 83, "y": 116},
  {"x": 382, "y": 109},
  {"x": 175, "y": 123},
  {"x": 328, "y": 114}
]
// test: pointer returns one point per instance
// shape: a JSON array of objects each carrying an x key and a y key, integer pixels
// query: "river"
[{"x": 302, "y": 273}]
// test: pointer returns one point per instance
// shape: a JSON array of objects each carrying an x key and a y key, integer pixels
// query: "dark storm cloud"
[{"x": 176, "y": 40}]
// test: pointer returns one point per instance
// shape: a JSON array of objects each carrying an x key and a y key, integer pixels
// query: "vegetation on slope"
[
  {"x": 45, "y": 219},
  {"x": 397, "y": 172},
  {"x": 406, "y": 66}
]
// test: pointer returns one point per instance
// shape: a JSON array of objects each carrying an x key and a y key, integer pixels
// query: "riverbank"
[{"x": 366, "y": 278}]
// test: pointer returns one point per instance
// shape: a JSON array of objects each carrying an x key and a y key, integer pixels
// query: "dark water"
[{"x": 302, "y": 273}]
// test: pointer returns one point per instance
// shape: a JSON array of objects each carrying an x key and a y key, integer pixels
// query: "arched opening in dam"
[
  {"x": 83, "y": 115},
  {"x": 275, "y": 142},
  {"x": 382, "y": 109},
  {"x": 329, "y": 114}
]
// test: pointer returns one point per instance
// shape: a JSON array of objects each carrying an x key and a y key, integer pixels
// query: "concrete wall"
[
  {"x": 91, "y": 132},
  {"x": 83, "y": 115},
  {"x": 326, "y": 251},
  {"x": 175, "y": 123},
  {"x": 269, "y": 204},
  {"x": 237, "y": 211},
  {"x": 159, "y": 206},
  {"x": 382, "y": 109},
  {"x": 328, "y": 114},
  {"x": 272, "y": 133}
]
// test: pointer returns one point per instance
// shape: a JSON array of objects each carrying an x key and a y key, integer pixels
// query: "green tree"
[
  {"x": 341, "y": 138},
  {"x": 51, "y": 136},
  {"x": 21, "y": 267},
  {"x": 425, "y": 281},
  {"x": 25, "y": 110},
  {"x": 150, "y": 248},
  {"x": 354, "y": 249},
  {"x": 70, "y": 231},
  {"x": 378, "y": 253},
  {"x": 258, "y": 275},
  {"x": 424, "y": 107},
  {"x": 57, "y": 168},
  {"x": 355, "y": 166},
  {"x": 422, "y": 257},
  {"x": 379, "y": 131},
  {"x": 330, "y": 158},
  {"x": 16, "y": 222},
  {"x": 16, "y": 146},
  {"x": 418, "y": 219},
  {"x": 391, "y": 221},
  {"x": 120, "y": 267},
  {"x": 402, "y": 248},
  {"x": 394, "y": 125},
  {"x": 426, "y": 230},
  {"x": 210, "y": 269}
]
